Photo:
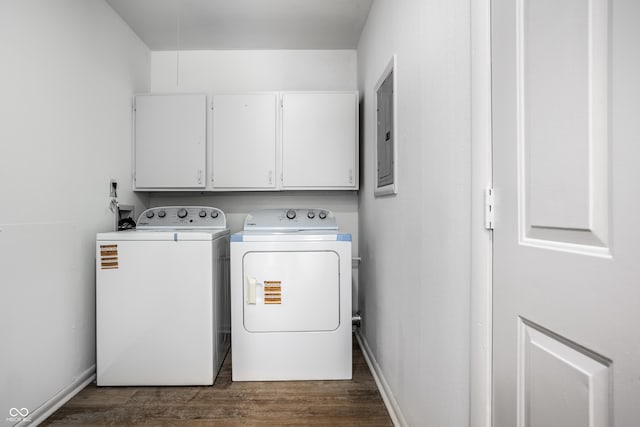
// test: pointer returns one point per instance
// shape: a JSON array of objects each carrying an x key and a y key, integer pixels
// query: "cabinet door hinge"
[{"x": 489, "y": 208}]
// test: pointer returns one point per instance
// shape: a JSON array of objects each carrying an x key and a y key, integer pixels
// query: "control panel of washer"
[
  {"x": 182, "y": 217},
  {"x": 290, "y": 219}
]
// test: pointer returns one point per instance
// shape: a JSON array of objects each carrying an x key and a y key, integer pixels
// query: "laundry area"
[{"x": 319, "y": 212}]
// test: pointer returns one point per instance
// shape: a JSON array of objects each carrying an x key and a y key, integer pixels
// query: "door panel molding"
[
  {"x": 562, "y": 71},
  {"x": 560, "y": 382}
]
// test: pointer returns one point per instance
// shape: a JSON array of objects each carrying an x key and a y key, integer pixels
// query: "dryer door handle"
[{"x": 251, "y": 290}]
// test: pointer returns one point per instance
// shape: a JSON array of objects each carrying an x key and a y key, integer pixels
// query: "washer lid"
[
  {"x": 162, "y": 235},
  {"x": 278, "y": 220}
]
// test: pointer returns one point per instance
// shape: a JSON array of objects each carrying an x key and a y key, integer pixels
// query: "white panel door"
[
  {"x": 320, "y": 140},
  {"x": 170, "y": 141},
  {"x": 244, "y": 141},
  {"x": 291, "y": 291},
  {"x": 566, "y": 120}
]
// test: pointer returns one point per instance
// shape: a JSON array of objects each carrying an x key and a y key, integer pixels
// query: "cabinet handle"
[
  {"x": 270, "y": 177},
  {"x": 199, "y": 176},
  {"x": 350, "y": 176}
]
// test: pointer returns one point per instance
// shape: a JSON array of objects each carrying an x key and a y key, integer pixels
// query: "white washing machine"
[
  {"x": 291, "y": 297},
  {"x": 162, "y": 299}
]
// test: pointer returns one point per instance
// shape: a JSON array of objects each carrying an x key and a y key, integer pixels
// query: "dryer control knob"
[
  {"x": 162, "y": 214},
  {"x": 202, "y": 213},
  {"x": 214, "y": 214},
  {"x": 182, "y": 213},
  {"x": 291, "y": 214},
  {"x": 322, "y": 215},
  {"x": 150, "y": 214},
  {"x": 311, "y": 215}
]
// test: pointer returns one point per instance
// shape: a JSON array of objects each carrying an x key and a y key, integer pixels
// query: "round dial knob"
[
  {"x": 202, "y": 213},
  {"x": 291, "y": 214},
  {"x": 214, "y": 214},
  {"x": 311, "y": 215},
  {"x": 150, "y": 214},
  {"x": 162, "y": 214},
  {"x": 182, "y": 213},
  {"x": 322, "y": 215}
]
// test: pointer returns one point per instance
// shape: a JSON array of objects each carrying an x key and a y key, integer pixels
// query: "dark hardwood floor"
[{"x": 291, "y": 403}]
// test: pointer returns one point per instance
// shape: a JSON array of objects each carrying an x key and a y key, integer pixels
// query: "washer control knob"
[
  {"x": 322, "y": 215},
  {"x": 150, "y": 214},
  {"x": 311, "y": 214},
  {"x": 291, "y": 214},
  {"x": 162, "y": 214},
  {"x": 182, "y": 213},
  {"x": 214, "y": 214},
  {"x": 202, "y": 213}
]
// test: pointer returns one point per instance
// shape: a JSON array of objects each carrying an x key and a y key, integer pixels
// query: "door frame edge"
[{"x": 481, "y": 280}]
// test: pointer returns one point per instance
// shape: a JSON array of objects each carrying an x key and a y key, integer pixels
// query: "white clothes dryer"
[
  {"x": 291, "y": 297},
  {"x": 162, "y": 299}
]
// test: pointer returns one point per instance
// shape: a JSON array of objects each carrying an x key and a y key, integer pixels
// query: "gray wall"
[
  {"x": 415, "y": 246},
  {"x": 68, "y": 70}
]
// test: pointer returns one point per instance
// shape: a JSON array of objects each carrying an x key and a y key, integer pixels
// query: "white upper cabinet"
[
  {"x": 266, "y": 141},
  {"x": 320, "y": 140},
  {"x": 170, "y": 141},
  {"x": 245, "y": 141}
]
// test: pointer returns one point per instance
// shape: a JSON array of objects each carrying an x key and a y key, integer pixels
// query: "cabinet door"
[
  {"x": 170, "y": 141},
  {"x": 244, "y": 141},
  {"x": 320, "y": 140}
]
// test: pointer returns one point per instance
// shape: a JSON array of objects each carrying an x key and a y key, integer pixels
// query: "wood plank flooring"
[{"x": 291, "y": 403}]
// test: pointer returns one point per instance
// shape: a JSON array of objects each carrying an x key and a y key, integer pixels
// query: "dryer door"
[{"x": 291, "y": 291}]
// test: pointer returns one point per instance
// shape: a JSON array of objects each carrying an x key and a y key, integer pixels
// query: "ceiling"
[{"x": 245, "y": 24}]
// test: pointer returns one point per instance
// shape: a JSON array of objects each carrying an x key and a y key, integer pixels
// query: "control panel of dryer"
[
  {"x": 290, "y": 220},
  {"x": 182, "y": 217}
]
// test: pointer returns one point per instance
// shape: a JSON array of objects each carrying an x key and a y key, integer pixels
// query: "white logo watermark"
[{"x": 19, "y": 414}]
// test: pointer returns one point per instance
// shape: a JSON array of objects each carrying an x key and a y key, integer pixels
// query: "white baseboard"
[
  {"x": 385, "y": 391},
  {"x": 53, "y": 404}
]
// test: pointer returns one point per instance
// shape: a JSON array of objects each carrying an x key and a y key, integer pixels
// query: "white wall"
[
  {"x": 415, "y": 247},
  {"x": 69, "y": 69},
  {"x": 253, "y": 70},
  {"x": 260, "y": 70}
]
